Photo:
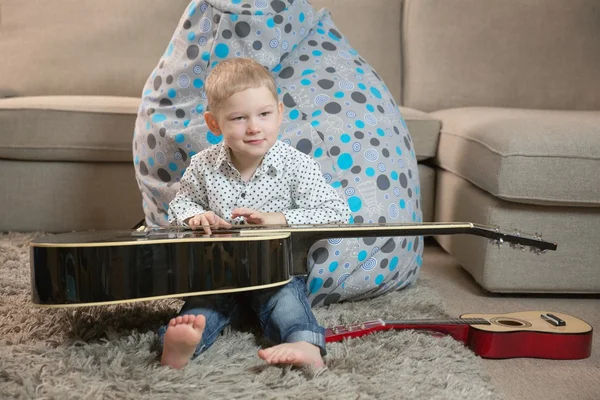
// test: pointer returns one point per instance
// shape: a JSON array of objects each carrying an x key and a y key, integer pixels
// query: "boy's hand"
[
  {"x": 259, "y": 218},
  {"x": 204, "y": 220}
]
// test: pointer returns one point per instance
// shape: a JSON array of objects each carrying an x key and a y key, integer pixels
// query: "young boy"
[{"x": 250, "y": 177}]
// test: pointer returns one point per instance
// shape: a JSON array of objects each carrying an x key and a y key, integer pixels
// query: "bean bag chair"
[{"x": 337, "y": 109}]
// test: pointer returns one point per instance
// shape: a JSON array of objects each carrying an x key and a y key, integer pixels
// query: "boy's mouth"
[{"x": 255, "y": 141}]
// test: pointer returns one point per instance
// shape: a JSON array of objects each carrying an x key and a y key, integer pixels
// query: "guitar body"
[
  {"x": 530, "y": 334},
  {"x": 525, "y": 334},
  {"x": 110, "y": 267},
  {"x": 98, "y": 268}
]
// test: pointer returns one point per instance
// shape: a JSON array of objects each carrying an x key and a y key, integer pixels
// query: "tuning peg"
[
  {"x": 517, "y": 246},
  {"x": 537, "y": 251},
  {"x": 497, "y": 242}
]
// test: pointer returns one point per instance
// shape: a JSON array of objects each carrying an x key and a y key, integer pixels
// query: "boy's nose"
[{"x": 253, "y": 126}]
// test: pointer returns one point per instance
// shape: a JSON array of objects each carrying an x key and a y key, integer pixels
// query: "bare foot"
[
  {"x": 297, "y": 353},
  {"x": 182, "y": 336}
]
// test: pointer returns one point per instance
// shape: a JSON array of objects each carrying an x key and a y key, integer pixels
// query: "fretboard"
[{"x": 451, "y": 321}]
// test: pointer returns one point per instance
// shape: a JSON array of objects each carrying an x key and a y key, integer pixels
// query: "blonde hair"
[{"x": 236, "y": 75}]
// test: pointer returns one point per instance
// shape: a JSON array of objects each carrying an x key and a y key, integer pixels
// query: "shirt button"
[{"x": 243, "y": 195}]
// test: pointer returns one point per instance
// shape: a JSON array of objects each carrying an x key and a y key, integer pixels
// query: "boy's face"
[{"x": 249, "y": 122}]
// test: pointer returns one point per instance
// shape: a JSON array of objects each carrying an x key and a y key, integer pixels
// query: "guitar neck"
[
  {"x": 304, "y": 236},
  {"x": 457, "y": 328}
]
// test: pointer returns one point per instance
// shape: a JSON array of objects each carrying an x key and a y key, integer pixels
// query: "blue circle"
[
  {"x": 305, "y": 82},
  {"x": 394, "y": 175},
  {"x": 318, "y": 152},
  {"x": 345, "y": 138},
  {"x": 200, "y": 108},
  {"x": 379, "y": 279},
  {"x": 234, "y": 17},
  {"x": 301, "y": 17},
  {"x": 191, "y": 36},
  {"x": 402, "y": 204},
  {"x": 362, "y": 255},
  {"x": 370, "y": 108},
  {"x": 206, "y": 56},
  {"x": 198, "y": 83},
  {"x": 354, "y": 203},
  {"x": 393, "y": 263},
  {"x": 173, "y": 166},
  {"x": 380, "y": 132},
  {"x": 398, "y": 150},
  {"x": 156, "y": 118},
  {"x": 376, "y": 92},
  {"x": 270, "y": 23},
  {"x": 362, "y": 86},
  {"x": 221, "y": 50},
  {"x": 317, "y": 53},
  {"x": 333, "y": 266},
  {"x": 315, "y": 285},
  {"x": 345, "y": 161},
  {"x": 359, "y": 124},
  {"x": 212, "y": 138},
  {"x": 338, "y": 95},
  {"x": 172, "y": 93},
  {"x": 294, "y": 114},
  {"x": 151, "y": 161},
  {"x": 370, "y": 171},
  {"x": 179, "y": 138}
]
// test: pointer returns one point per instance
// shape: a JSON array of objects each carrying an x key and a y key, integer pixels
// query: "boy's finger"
[{"x": 206, "y": 225}]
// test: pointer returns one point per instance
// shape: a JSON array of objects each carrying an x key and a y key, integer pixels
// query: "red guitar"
[{"x": 536, "y": 334}]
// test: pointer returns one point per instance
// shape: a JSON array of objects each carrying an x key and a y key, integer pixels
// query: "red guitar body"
[{"x": 525, "y": 334}]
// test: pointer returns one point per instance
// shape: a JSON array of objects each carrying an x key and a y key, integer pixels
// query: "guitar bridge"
[{"x": 553, "y": 319}]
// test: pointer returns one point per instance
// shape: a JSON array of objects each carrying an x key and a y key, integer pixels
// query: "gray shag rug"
[{"x": 111, "y": 352}]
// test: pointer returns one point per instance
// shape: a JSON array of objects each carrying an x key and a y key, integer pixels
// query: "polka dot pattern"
[{"x": 337, "y": 109}]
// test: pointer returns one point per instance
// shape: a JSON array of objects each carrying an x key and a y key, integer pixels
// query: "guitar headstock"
[{"x": 517, "y": 240}]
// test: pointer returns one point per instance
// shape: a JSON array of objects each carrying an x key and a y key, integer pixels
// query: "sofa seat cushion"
[
  {"x": 527, "y": 156},
  {"x": 424, "y": 131},
  {"x": 67, "y": 128}
]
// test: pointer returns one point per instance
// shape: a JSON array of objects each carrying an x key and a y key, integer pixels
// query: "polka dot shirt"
[{"x": 287, "y": 181}]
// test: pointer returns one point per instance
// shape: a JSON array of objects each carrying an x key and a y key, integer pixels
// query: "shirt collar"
[
  {"x": 273, "y": 158},
  {"x": 223, "y": 156}
]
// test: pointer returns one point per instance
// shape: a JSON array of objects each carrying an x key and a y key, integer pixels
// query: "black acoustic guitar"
[{"x": 109, "y": 267}]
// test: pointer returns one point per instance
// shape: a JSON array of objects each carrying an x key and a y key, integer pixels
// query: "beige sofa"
[{"x": 499, "y": 98}]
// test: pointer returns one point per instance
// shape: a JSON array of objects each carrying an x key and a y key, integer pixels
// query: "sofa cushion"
[
  {"x": 72, "y": 47},
  {"x": 424, "y": 130},
  {"x": 67, "y": 128},
  {"x": 503, "y": 53},
  {"x": 526, "y": 156}
]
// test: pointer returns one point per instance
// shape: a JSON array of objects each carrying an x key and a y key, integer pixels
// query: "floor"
[{"x": 520, "y": 378}]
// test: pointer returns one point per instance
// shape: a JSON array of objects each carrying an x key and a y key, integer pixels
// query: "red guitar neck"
[{"x": 457, "y": 328}]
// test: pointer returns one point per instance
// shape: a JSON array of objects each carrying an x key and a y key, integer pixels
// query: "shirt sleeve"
[
  {"x": 315, "y": 200},
  {"x": 191, "y": 198}
]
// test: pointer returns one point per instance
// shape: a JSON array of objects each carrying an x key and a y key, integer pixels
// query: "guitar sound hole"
[{"x": 509, "y": 322}]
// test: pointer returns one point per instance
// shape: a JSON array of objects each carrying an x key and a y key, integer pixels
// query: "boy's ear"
[
  {"x": 280, "y": 107},
  {"x": 212, "y": 123}
]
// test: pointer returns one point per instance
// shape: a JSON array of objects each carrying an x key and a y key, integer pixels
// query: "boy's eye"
[
  {"x": 265, "y": 113},
  {"x": 237, "y": 118}
]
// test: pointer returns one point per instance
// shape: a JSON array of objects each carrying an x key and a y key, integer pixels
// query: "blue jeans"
[{"x": 283, "y": 312}]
